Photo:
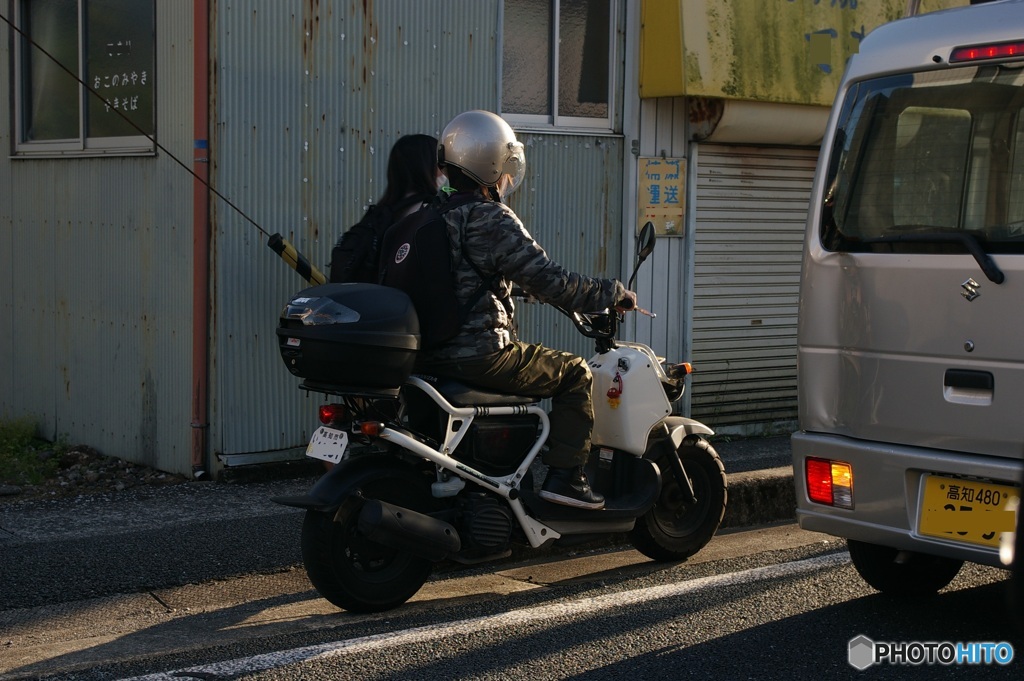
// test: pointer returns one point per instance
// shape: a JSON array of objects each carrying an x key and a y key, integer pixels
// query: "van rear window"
[{"x": 928, "y": 162}]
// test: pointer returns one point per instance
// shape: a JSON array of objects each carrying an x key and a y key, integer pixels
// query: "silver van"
[{"x": 911, "y": 323}]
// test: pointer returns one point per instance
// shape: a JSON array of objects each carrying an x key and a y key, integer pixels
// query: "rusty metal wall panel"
[
  {"x": 308, "y": 102},
  {"x": 309, "y": 97},
  {"x": 97, "y": 265},
  {"x": 9, "y": 404}
]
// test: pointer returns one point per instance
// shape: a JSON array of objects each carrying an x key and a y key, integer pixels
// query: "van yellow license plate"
[{"x": 966, "y": 511}]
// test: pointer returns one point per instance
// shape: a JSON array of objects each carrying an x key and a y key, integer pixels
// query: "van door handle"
[
  {"x": 964, "y": 386},
  {"x": 969, "y": 380}
]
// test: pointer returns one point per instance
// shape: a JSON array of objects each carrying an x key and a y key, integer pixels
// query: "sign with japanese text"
[{"x": 662, "y": 194}]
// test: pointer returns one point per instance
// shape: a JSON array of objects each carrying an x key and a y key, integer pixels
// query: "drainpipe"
[{"x": 200, "y": 234}]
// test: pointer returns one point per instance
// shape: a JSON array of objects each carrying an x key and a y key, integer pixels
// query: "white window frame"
[
  {"x": 555, "y": 122},
  {"x": 82, "y": 146}
]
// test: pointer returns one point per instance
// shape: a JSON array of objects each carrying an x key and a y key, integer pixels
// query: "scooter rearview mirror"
[
  {"x": 645, "y": 242},
  {"x": 644, "y": 247}
]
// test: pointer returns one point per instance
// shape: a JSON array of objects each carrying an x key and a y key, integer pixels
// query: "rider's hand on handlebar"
[{"x": 627, "y": 303}]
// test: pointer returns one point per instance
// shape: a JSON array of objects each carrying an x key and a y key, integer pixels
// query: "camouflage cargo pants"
[{"x": 537, "y": 371}]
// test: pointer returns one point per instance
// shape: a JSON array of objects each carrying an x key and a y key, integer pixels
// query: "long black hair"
[{"x": 412, "y": 169}]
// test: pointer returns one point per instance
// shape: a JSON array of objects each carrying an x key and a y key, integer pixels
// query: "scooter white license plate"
[{"x": 327, "y": 444}]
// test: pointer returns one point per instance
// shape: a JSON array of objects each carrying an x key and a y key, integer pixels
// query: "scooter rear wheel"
[
  {"x": 675, "y": 529},
  {"x": 351, "y": 571}
]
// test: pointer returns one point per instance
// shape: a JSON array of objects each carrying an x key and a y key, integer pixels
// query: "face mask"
[{"x": 442, "y": 180}]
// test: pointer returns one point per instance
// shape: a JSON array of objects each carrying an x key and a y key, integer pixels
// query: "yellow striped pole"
[{"x": 296, "y": 260}]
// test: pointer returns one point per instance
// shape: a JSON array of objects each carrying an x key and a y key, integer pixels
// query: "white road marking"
[{"x": 257, "y": 663}]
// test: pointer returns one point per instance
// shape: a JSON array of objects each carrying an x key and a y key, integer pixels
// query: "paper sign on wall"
[{"x": 663, "y": 194}]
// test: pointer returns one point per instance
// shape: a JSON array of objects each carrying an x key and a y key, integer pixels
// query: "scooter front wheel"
[
  {"x": 675, "y": 528},
  {"x": 351, "y": 571}
]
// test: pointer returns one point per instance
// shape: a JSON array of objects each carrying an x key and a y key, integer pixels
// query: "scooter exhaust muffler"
[{"x": 407, "y": 530}]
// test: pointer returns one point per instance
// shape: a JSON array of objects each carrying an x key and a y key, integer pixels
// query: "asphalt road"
[
  {"x": 53, "y": 552},
  {"x": 771, "y": 602}
]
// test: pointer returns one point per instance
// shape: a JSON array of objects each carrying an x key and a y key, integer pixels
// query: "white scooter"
[{"x": 436, "y": 470}]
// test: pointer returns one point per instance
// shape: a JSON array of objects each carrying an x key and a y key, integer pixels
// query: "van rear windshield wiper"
[{"x": 969, "y": 240}]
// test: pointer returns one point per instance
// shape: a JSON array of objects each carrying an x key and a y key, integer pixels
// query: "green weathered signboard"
[{"x": 791, "y": 51}]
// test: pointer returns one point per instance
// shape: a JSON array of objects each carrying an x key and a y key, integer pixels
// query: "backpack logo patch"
[{"x": 402, "y": 253}]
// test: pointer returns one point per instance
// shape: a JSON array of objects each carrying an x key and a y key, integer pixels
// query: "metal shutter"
[{"x": 751, "y": 205}]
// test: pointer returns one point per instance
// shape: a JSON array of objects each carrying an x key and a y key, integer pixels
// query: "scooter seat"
[{"x": 463, "y": 395}]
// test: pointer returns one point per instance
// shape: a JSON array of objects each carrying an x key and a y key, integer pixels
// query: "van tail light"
[
  {"x": 829, "y": 482},
  {"x": 994, "y": 51}
]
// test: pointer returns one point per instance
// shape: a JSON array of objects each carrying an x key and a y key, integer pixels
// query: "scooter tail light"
[
  {"x": 371, "y": 428},
  {"x": 332, "y": 413}
]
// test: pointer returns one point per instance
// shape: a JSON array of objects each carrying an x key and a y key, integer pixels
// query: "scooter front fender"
[
  {"x": 680, "y": 427},
  {"x": 343, "y": 480}
]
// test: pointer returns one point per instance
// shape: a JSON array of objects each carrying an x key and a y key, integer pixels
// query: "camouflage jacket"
[{"x": 497, "y": 242}]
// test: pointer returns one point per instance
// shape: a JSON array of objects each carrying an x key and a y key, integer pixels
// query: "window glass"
[
  {"x": 120, "y": 67},
  {"x": 526, "y": 62},
  {"x": 557, "y": 62},
  {"x": 929, "y": 163},
  {"x": 107, "y": 44},
  {"x": 1015, "y": 217},
  {"x": 583, "y": 58},
  {"x": 51, "y": 104}
]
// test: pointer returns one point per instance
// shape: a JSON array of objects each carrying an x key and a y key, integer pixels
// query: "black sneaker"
[{"x": 570, "y": 487}]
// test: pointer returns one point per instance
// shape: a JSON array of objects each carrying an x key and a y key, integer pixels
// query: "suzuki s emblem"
[
  {"x": 970, "y": 289},
  {"x": 403, "y": 251}
]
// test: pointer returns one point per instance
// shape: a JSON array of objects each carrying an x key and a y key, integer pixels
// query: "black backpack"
[
  {"x": 416, "y": 258},
  {"x": 356, "y": 255}
]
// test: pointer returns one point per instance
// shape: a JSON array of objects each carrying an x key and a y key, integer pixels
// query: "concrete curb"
[{"x": 760, "y": 496}]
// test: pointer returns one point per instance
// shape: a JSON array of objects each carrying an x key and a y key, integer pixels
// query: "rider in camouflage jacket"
[
  {"x": 486, "y": 238},
  {"x": 480, "y": 153}
]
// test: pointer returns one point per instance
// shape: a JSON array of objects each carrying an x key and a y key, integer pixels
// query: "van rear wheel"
[{"x": 915, "y": 574}]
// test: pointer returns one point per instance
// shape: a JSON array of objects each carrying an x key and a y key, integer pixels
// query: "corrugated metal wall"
[
  {"x": 750, "y": 212},
  {"x": 95, "y": 256},
  {"x": 10, "y": 404},
  {"x": 308, "y": 100},
  {"x": 664, "y": 283},
  {"x": 571, "y": 202}
]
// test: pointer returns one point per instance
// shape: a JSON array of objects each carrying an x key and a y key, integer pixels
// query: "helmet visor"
[{"x": 513, "y": 170}]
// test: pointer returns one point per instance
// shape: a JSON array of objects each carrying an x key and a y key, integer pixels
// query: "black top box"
[{"x": 354, "y": 337}]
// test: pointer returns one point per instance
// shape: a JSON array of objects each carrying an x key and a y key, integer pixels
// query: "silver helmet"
[{"x": 485, "y": 148}]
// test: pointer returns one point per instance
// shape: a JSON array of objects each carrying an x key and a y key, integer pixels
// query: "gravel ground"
[{"x": 83, "y": 470}]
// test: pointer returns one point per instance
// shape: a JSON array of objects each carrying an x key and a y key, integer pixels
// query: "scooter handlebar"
[{"x": 627, "y": 303}]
